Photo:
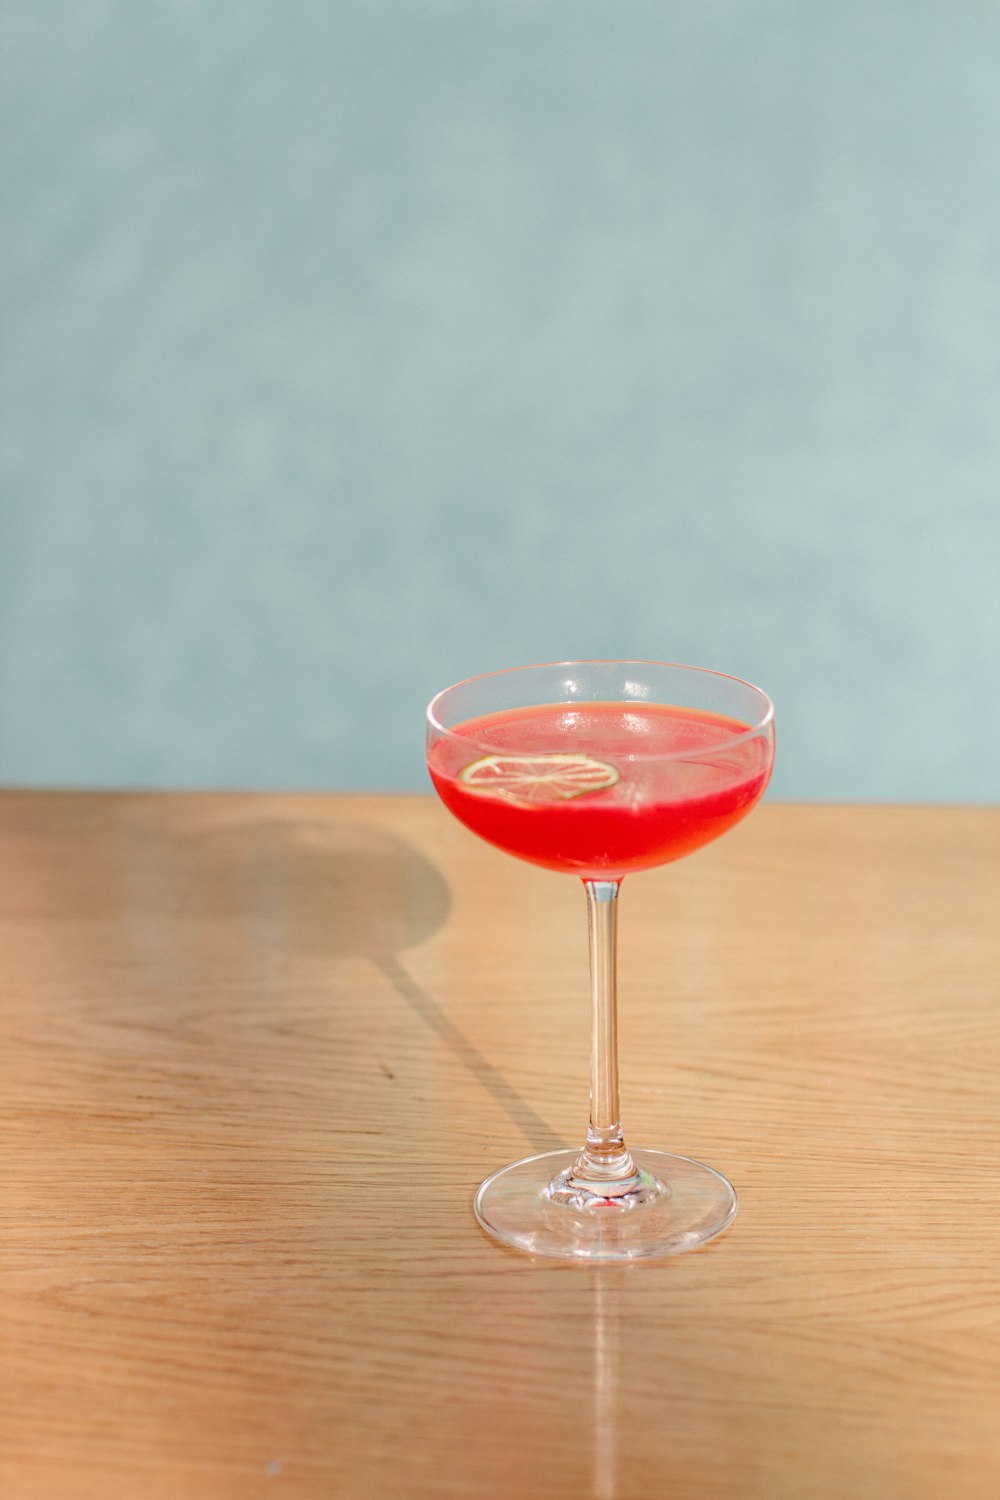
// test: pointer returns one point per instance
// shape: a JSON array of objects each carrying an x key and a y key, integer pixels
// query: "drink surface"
[{"x": 639, "y": 784}]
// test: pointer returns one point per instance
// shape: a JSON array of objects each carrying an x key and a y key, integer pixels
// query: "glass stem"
[{"x": 605, "y": 1156}]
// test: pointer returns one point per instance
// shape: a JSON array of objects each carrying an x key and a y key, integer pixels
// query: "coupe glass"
[{"x": 600, "y": 769}]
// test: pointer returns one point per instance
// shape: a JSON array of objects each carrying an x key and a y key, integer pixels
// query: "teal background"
[{"x": 350, "y": 349}]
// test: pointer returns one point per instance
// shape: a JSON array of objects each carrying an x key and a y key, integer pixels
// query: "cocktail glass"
[{"x": 602, "y": 769}]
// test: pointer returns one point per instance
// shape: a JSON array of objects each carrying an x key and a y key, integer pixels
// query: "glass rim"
[{"x": 761, "y": 726}]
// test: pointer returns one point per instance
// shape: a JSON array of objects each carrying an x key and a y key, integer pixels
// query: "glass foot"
[{"x": 677, "y": 1204}]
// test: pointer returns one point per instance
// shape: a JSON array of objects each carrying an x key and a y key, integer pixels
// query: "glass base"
[{"x": 676, "y": 1204}]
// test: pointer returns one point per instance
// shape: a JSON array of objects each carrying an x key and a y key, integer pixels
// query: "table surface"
[{"x": 258, "y": 1050}]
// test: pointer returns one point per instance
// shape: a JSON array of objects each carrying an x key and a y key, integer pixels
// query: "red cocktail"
[
  {"x": 617, "y": 788},
  {"x": 602, "y": 769}
]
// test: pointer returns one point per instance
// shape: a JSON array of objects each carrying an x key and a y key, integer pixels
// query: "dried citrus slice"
[{"x": 538, "y": 778}]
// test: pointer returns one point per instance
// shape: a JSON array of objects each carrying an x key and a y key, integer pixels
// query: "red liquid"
[{"x": 657, "y": 811}]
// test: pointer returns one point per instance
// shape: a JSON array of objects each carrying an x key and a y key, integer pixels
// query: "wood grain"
[{"x": 258, "y": 1051}]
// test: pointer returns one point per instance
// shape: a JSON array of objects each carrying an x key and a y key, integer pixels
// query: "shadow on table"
[{"x": 337, "y": 890}]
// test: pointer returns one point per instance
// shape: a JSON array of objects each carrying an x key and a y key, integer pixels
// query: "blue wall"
[{"x": 353, "y": 348}]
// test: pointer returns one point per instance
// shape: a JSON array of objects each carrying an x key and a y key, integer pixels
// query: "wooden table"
[{"x": 258, "y": 1050}]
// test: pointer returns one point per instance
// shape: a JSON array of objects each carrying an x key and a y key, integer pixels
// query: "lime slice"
[{"x": 538, "y": 778}]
